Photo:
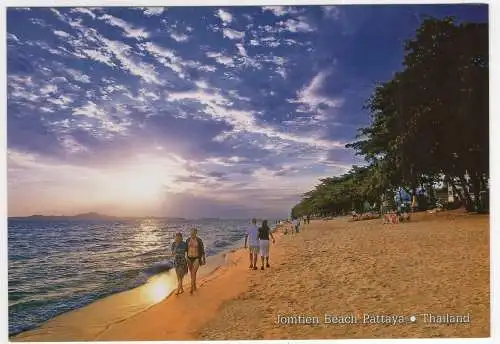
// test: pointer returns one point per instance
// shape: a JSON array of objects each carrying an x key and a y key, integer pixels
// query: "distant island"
[{"x": 93, "y": 216}]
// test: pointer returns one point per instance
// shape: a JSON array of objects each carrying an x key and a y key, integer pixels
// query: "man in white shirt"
[
  {"x": 253, "y": 243},
  {"x": 295, "y": 225}
]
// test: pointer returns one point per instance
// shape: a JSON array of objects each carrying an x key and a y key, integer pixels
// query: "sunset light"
[
  {"x": 213, "y": 171},
  {"x": 159, "y": 287},
  {"x": 142, "y": 182}
]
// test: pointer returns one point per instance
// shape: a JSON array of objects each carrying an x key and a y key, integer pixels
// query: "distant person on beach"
[
  {"x": 264, "y": 234},
  {"x": 252, "y": 237},
  {"x": 295, "y": 224},
  {"x": 179, "y": 249},
  {"x": 308, "y": 219},
  {"x": 195, "y": 256}
]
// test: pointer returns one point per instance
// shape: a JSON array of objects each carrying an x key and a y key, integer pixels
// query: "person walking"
[
  {"x": 179, "y": 249},
  {"x": 195, "y": 256},
  {"x": 264, "y": 234},
  {"x": 295, "y": 224},
  {"x": 251, "y": 237}
]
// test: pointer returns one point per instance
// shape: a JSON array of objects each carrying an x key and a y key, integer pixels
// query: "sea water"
[{"x": 58, "y": 266}]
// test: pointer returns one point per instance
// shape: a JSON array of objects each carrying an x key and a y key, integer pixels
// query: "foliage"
[{"x": 429, "y": 123}]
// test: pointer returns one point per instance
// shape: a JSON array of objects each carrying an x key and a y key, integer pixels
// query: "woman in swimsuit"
[
  {"x": 264, "y": 233},
  {"x": 179, "y": 249},
  {"x": 195, "y": 256}
]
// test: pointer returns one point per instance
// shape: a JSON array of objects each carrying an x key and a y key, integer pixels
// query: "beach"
[{"x": 436, "y": 265}]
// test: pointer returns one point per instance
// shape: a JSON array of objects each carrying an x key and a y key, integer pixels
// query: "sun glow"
[
  {"x": 142, "y": 182},
  {"x": 159, "y": 287}
]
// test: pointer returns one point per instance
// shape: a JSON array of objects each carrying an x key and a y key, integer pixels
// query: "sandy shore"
[{"x": 438, "y": 264}]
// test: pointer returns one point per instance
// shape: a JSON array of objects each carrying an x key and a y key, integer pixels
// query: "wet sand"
[{"x": 437, "y": 263}]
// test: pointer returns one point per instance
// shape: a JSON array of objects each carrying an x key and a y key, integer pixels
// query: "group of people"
[
  {"x": 257, "y": 239},
  {"x": 297, "y": 223},
  {"x": 189, "y": 255},
  {"x": 394, "y": 217}
]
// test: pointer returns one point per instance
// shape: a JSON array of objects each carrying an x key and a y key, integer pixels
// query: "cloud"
[
  {"x": 77, "y": 75},
  {"x": 218, "y": 108},
  {"x": 98, "y": 98},
  {"x": 47, "y": 89},
  {"x": 332, "y": 12},
  {"x": 62, "y": 34},
  {"x": 311, "y": 95},
  {"x": 179, "y": 37},
  {"x": 71, "y": 145},
  {"x": 224, "y": 60},
  {"x": 99, "y": 55},
  {"x": 154, "y": 11},
  {"x": 277, "y": 10},
  {"x": 166, "y": 57},
  {"x": 233, "y": 34},
  {"x": 97, "y": 120},
  {"x": 84, "y": 11},
  {"x": 297, "y": 25},
  {"x": 280, "y": 11},
  {"x": 11, "y": 37},
  {"x": 122, "y": 52},
  {"x": 96, "y": 47},
  {"x": 130, "y": 31},
  {"x": 241, "y": 50},
  {"x": 225, "y": 16}
]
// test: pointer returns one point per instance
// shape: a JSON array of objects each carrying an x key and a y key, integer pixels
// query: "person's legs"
[
  {"x": 179, "y": 282},
  {"x": 250, "y": 254},
  {"x": 194, "y": 264},
  {"x": 264, "y": 252},
  {"x": 255, "y": 255},
  {"x": 267, "y": 254}
]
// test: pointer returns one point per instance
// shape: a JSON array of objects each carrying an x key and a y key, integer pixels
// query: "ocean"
[{"x": 58, "y": 266}]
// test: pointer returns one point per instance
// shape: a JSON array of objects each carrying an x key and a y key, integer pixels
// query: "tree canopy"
[{"x": 429, "y": 122}]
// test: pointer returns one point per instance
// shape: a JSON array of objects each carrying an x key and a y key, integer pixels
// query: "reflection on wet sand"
[{"x": 158, "y": 288}]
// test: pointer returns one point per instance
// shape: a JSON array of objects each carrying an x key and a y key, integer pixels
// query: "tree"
[{"x": 429, "y": 122}]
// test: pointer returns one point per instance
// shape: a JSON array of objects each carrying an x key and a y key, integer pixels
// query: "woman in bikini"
[
  {"x": 179, "y": 249},
  {"x": 195, "y": 256}
]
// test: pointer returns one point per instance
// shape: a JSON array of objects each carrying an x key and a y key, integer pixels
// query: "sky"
[{"x": 193, "y": 112}]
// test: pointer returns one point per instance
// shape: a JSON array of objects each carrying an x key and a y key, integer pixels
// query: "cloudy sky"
[{"x": 193, "y": 112}]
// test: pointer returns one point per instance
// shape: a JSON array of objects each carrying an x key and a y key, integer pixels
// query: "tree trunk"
[
  {"x": 457, "y": 191},
  {"x": 476, "y": 188},
  {"x": 468, "y": 199}
]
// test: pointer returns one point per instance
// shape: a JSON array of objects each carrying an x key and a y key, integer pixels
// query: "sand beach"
[{"x": 435, "y": 268}]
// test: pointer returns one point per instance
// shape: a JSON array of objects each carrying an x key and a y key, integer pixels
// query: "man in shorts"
[{"x": 252, "y": 239}]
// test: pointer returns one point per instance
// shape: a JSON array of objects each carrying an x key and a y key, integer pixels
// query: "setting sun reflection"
[{"x": 159, "y": 287}]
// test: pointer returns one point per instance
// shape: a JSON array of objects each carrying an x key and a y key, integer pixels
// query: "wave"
[
  {"x": 221, "y": 243},
  {"x": 150, "y": 271},
  {"x": 95, "y": 261}
]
